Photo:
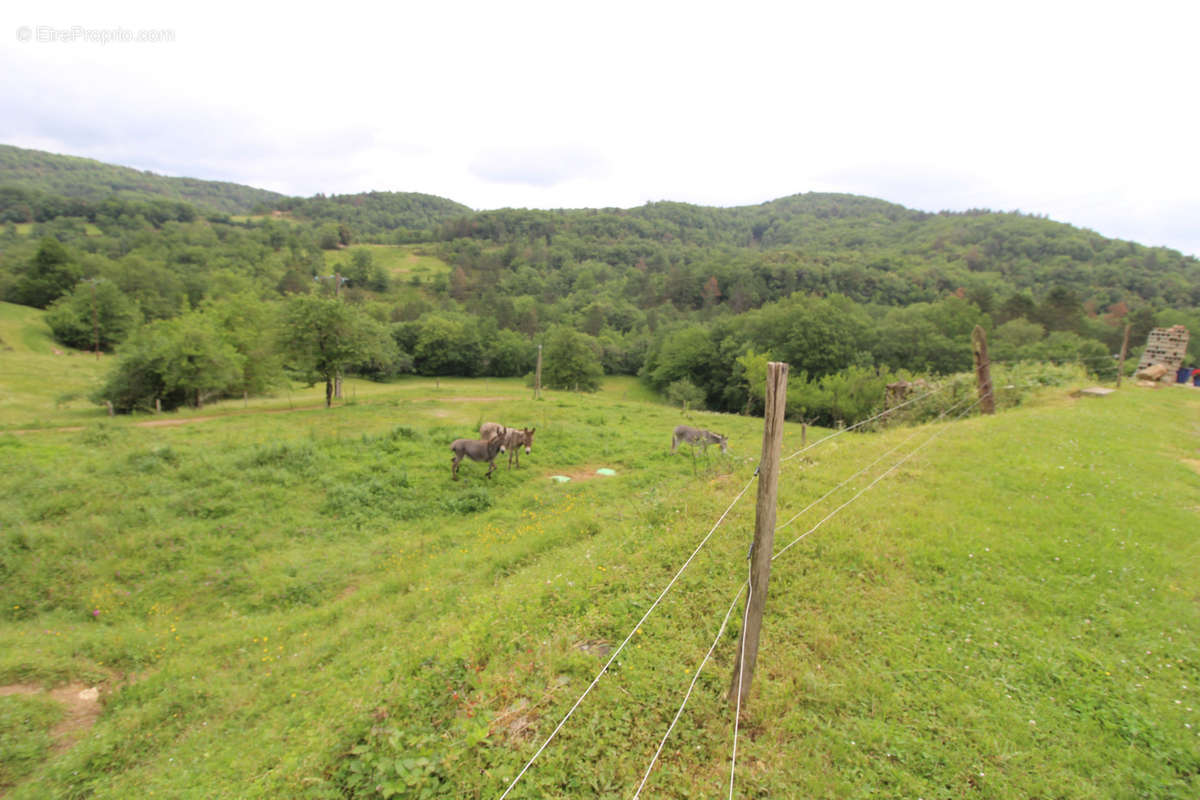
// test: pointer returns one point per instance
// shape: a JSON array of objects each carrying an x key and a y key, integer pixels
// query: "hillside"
[
  {"x": 303, "y": 604},
  {"x": 95, "y": 181},
  {"x": 854, "y": 292},
  {"x": 378, "y": 216},
  {"x": 40, "y": 378}
]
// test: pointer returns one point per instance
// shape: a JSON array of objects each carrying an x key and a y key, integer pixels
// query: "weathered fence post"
[
  {"x": 537, "y": 377},
  {"x": 983, "y": 371},
  {"x": 1124, "y": 350},
  {"x": 764, "y": 531}
]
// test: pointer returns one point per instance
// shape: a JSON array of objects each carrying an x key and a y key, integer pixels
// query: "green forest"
[{"x": 207, "y": 290}]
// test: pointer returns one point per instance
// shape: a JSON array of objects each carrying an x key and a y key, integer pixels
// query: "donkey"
[
  {"x": 696, "y": 436},
  {"x": 476, "y": 450},
  {"x": 514, "y": 440}
]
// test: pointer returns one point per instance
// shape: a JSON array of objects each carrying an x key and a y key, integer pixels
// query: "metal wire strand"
[
  {"x": 865, "y": 421},
  {"x": 691, "y": 686},
  {"x": 621, "y": 647},
  {"x": 863, "y": 490}
]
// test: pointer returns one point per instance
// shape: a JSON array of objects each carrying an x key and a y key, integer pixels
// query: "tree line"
[{"x": 851, "y": 291}]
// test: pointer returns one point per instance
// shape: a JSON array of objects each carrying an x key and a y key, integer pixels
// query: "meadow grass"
[
  {"x": 403, "y": 262},
  {"x": 303, "y": 604},
  {"x": 42, "y": 383}
]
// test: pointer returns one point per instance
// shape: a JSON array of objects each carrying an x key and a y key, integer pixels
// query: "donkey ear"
[{"x": 531, "y": 431}]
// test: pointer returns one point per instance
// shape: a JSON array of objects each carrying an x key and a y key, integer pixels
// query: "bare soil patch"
[
  {"x": 458, "y": 399},
  {"x": 82, "y": 709}
]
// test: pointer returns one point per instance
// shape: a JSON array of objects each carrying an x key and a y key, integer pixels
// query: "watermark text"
[{"x": 78, "y": 34}]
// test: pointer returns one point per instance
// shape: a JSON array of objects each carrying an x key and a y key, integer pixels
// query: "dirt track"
[{"x": 164, "y": 423}]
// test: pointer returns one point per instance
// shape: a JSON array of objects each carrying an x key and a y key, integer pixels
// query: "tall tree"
[
  {"x": 50, "y": 274},
  {"x": 97, "y": 313},
  {"x": 322, "y": 337},
  {"x": 571, "y": 361}
]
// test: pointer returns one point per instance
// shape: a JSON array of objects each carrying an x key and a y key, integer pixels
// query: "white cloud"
[{"x": 1082, "y": 111}]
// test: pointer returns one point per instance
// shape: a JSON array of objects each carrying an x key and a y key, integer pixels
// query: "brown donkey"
[{"x": 514, "y": 440}]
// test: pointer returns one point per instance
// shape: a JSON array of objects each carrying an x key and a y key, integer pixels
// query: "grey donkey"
[
  {"x": 696, "y": 436},
  {"x": 476, "y": 450}
]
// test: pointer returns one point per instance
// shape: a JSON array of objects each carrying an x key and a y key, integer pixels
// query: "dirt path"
[
  {"x": 82, "y": 709},
  {"x": 165, "y": 423}
]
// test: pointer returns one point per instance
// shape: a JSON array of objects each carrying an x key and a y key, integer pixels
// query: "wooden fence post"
[
  {"x": 1124, "y": 350},
  {"x": 537, "y": 377},
  {"x": 983, "y": 371},
  {"x": 764, "y": 531}
]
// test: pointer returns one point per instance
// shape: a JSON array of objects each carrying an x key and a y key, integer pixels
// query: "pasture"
[
  {"x": 279, "y": 600},
  {"x": 402, "y": 262}
]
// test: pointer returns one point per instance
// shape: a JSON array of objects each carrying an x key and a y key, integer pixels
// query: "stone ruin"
[{"x": 1165, "y": 346}]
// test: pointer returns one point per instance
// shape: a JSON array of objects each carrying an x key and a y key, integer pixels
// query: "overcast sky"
[{"x": 1085, "y": 112}]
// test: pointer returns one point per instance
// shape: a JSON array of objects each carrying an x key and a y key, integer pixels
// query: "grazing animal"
[
  {"x": 696, "y": 436},
  {"x": 514, "y": 440},
  {"x": 489, "y": 429},
  {"x": 476, "y": 450}
]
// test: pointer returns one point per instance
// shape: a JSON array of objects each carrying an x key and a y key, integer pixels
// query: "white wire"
[
  {"x": 688, "y": 695},
  {"x": 617, "y": 652},
  {"x": 861, "y": 491},
  {"x": 865, "y": 421},
  {"x": 737, "y": 716},
  {"x": 809, "y": 507}
]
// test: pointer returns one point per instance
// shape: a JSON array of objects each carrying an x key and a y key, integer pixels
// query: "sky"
[{"x": 1084, "y": 112}]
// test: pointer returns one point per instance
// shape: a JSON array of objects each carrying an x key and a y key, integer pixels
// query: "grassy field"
[
  {"x": 42, "y": 383},
  {"x": 403, "y": 262},
  {"x": 26, "y": 229},
  {"x": 286, "y": 601}
]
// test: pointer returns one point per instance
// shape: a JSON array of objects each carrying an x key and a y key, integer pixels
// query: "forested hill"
[
  {"x": 867, "y": 249},
  {"x": 375, "y": 216},
  {"x": 95, "y": 181},
  {"x": 851, "y": 291}
]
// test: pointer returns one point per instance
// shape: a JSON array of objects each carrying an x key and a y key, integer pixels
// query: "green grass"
[
  {"x": 303, "y": 604},
  {"x": 25, "y": 725},
  {"x": 402, "y": 262},
  {"x": 42, "y": 383}
]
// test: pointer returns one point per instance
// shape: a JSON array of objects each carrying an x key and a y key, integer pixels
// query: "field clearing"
[
  {"x": 303, "y": 604},
  {"x": 42, "y": 383},
  {"x": 401, "y": 261},
  {"x": 288, "y": 218}
]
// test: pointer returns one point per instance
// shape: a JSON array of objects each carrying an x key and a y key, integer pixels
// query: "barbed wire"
[{"x": 635, "y": 629}]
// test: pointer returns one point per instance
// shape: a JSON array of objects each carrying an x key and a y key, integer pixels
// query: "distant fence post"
[
  {"x": 1124, "y": 350},
  {"x": 764, "y": 531},
  {"x": 537, "y": 376},
  {"x": 983, "y": 371}
]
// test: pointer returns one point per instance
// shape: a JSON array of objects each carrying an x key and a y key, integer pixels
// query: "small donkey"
[
  {"x": 696, "y": 436},
  {"x": 476, "y": 450},
  {"x": 514, "y": 440}
]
